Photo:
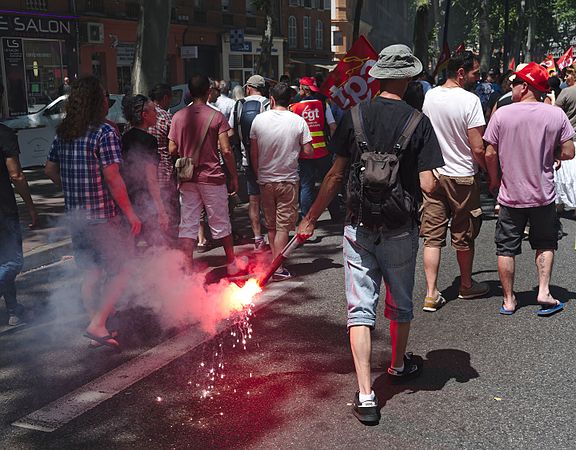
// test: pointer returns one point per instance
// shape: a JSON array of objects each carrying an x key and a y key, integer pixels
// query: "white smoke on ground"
[{"x": 158, "y": 282}]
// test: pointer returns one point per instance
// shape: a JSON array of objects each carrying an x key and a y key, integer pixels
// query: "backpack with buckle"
[{"x": 374, "y": 185}]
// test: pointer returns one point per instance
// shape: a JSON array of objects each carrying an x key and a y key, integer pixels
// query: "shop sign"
[
  {"x": 125, "y": 54},
  {"x": 246, "y": 47},
  {"x": 34, "y": 25},
  {"x": 189, "y": 52},
  {"x": 13, "y": 50}
]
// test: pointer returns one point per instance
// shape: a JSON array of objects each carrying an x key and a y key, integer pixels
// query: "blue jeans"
[
  {"x": 310, "y": 171},
  {"x": 369, "y": 257},
  {"x": 11, "y": 259}
]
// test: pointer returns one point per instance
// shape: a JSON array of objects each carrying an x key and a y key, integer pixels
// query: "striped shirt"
[{"x": 81, "y": 162}]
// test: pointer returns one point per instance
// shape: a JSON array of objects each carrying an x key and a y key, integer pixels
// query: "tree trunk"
[
  {"x": 357, "y": 15},
  {"x": 530, "y": 34},
  {"x": 485, "y": 38},
  {"x": 422, "y": 31},
  {"x": 151, "y": 44},
  {"x": 264, "y": 62}
]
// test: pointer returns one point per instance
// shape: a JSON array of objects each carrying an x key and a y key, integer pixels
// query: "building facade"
[
  {"x": 307, "y": 26},
  {"x": 44, "y": 41}
]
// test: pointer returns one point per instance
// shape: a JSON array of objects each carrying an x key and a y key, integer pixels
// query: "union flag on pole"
[
  {"x": 349, "y": 82},
  {"x": 512, "y": 64},
  {"x": 566, "y": 59},
  {"x": 443, "y": 60},
  {"x": 549, "y": 64}
]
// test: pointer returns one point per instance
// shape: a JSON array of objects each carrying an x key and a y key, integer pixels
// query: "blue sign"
[{"x": 244, "y": 47}]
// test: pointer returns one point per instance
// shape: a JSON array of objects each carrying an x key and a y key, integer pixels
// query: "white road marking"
[{"x": 61, "y": 411}]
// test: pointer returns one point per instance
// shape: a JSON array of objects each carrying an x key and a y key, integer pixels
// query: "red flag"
[
  {"x": 512, "y": 64},
  {"x": 460, "y": 49},
  {"x": 548, "y": 62},
  {"x": 349, "y": 82},
  {"x": 566, "y": 59},
  {"x": 443, "y": 60}
]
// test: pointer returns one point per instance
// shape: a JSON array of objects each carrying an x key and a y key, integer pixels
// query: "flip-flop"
[
  {"x": 107, "y": 340},
  {"x": 548, "y": 311},
  {"x": 507, "y": 312}
]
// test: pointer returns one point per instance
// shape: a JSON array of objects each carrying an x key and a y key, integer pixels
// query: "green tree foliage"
[{"x": 551, "y": 21}]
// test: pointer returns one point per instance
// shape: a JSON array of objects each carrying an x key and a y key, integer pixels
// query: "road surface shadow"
[{"x": 439, "y": 367}]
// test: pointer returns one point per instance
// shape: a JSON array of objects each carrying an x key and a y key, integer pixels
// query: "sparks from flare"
[{"x": 239, "y": 301}]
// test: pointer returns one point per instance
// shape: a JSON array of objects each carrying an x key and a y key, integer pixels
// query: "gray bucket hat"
[{"x": 396, "y": 62}]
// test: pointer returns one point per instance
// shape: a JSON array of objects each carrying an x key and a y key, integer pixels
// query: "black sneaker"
[
  {"x": 368, "y": 411},
  {"x": 411, "y": 369}
]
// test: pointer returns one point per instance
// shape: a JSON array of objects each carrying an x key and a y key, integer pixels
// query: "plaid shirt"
[
  {"x": 160, "y": 132},
  {"x": 80, "y": 163}
]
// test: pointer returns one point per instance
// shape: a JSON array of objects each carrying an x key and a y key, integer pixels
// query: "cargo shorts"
[{"x": 456, "y": 200}]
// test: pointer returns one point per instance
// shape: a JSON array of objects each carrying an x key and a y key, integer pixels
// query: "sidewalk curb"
[{"x": 47, "y": 254}]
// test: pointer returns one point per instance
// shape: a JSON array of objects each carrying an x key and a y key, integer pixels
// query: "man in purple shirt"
[{"x": 524, "y": 139}]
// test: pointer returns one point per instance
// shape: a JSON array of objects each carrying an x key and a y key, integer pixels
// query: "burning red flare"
[{"x": 237, "y": 298}]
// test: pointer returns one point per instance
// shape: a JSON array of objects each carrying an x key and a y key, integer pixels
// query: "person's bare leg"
[
  {"x": 110, "y": 294},
  {"x": 465, "y": 260},
  {"x": 272, "y": 241},
  {"x": 431, "y": 267},
  {"x": 228, "y": 244},
  {"x": 280, "y": 241},
  {"x": 187, "y": 246},
  {"x": 544, "y": 263},
  {"x": 361, "y": 345},
  {"x": 399, "y": 332},
  {"x": 506, "y": 269},
  {"x": 254, "y": 214},
  {"x": 90, "y": 290},
  {"x": 202, "y": 234}
]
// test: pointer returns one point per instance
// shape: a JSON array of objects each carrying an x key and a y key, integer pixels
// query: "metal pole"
[{"x": 446, "y": 20}]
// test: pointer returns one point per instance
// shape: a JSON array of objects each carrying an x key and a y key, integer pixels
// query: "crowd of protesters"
[{"x": 157, "y": 183}]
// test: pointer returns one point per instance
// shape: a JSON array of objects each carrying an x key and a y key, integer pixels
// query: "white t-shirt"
[
  {"x": 225, "y": 105},
  {"x": 453, "y": 111},
  {"x": 280, "y": 135}
]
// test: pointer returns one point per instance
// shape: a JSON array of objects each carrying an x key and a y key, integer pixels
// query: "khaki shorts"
[
  {"x": 456, "y": 198},
  {"x": 280, "y": 205}
]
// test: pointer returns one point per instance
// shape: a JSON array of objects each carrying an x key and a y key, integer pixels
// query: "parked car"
[{"x": 36, "y": 131}]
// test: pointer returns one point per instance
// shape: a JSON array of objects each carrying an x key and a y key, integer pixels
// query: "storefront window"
[{"x": 44, "y": 72}]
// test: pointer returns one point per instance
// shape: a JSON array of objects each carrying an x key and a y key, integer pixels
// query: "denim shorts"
[{"x": 370, "y": 257}]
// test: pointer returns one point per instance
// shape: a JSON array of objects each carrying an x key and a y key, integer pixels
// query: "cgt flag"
[
  {"x": 512, "y": 64},
  {"x": 349, "y": 82},
  {"x": 566, "y": 59}
]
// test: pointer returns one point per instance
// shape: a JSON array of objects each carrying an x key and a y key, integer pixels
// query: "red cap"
[
  {"x": 310, "y": 82},
  {"x": 535, "y": 75}
]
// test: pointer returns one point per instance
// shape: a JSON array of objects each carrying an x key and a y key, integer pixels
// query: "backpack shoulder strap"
[
  {"x": 359, "y": 133},
  {"x": 265, "y": 105},
  {"x": 404, "y": 139}
]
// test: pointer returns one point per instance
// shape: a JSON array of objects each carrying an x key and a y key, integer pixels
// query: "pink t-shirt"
[
  {"x": 527, "y": 133},
  {"x": 186, "y": 131}
]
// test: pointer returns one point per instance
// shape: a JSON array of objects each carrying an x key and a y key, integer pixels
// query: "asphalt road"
[{"x": 489, "y": 381}]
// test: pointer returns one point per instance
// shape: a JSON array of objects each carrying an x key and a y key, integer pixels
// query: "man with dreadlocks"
[{"x": 85, "y": 161}]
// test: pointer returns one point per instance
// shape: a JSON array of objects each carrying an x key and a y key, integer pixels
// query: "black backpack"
[{"x": 375, "y": 191}]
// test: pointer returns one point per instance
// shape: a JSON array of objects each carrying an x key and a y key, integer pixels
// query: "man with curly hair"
[{"x": 85, "y": 161}]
